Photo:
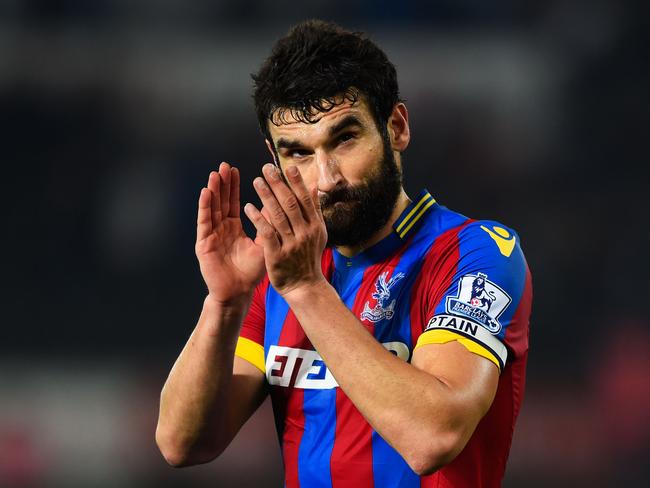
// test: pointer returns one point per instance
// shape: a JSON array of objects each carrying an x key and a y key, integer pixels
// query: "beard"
[{"x": 353, "y": 214}]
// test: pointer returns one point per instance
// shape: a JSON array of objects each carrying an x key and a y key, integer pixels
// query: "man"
[{"x": 391, "y": 333}]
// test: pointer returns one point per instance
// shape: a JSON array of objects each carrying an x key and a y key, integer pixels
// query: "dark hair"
[{"x": 317, "y": 66}]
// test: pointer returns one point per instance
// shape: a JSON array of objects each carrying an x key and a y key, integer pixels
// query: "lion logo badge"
[{"x": 481, "y": 300}]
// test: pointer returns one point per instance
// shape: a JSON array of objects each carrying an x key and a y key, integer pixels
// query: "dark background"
[{"x": 112, "y": 114}]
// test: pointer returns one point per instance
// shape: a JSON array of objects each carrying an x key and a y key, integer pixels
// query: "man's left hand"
[{"x": 292, "y": 230}]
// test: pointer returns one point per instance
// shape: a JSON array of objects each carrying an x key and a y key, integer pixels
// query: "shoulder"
[
  {"x": 452, "y": 236},
  {"x": 476, "y": 255},
  {"x": 490, "y": 235}
]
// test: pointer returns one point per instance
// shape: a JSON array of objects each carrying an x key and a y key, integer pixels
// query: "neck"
[{"x": 402, "y": 202}]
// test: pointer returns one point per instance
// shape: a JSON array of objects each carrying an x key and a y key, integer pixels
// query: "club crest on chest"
[{"x": 382, "y": 310}]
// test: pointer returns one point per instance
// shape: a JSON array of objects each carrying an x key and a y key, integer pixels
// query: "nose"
[{"x": 329, "y": 174}]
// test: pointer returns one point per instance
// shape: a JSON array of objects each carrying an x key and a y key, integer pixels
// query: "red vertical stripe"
[
  {"x": 516, "y": 339},
  {"x": 438, "y": 270},
  {"x": 351, "y": 461},
  {"x": 253, "y": 325},
  {"x": 517, "y": 331}
]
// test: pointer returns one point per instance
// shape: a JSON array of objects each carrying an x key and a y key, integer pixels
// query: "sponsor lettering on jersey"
[
  {"x": 479, "y": 299},
  {"x": 302, "y": 368}
]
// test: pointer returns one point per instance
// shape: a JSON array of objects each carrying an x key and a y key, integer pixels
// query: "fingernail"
[
  {"x": 271, "y": 171},
  {"x": 292, "y": 170}
]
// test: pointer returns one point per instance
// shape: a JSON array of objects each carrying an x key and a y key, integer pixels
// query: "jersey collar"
[
  {"x": 410, "y": 219},
  {"x": 405, "y": 226}
]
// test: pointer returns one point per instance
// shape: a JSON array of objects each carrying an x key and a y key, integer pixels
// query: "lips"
[{"x": 330, "y": 204}]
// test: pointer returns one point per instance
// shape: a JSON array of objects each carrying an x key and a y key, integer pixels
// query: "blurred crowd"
[{"x": 114, "y": 112}]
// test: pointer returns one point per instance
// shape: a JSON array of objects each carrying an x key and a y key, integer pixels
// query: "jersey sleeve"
[
  {"x": 250, "y": 344},
  {"x": 485, "y": 301}
]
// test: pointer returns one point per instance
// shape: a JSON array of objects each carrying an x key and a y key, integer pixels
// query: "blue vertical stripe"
[
  {"x": 276, "y": 313},
  {"x": 389, "y": 468},
  {"x": 318, "y": 438}
]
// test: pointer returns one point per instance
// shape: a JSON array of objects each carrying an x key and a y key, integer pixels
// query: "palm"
[{"x": 231, "y": 263}]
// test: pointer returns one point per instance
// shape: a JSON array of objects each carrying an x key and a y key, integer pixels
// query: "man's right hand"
[{"x": 231, "y": 263}]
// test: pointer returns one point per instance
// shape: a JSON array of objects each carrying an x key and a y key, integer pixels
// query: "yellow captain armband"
[
  {"x": 442, "y": 336},
  {"x": 252, "y": 352}
]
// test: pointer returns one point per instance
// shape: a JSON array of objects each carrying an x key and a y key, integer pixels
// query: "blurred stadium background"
[{"x": 112, "y": 114}]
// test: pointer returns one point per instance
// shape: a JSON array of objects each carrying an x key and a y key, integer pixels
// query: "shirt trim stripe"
[
  {"x": 404, "y": 221},
  {"x": 442, "y": 336},
  {"x": 417, "y": 217},
  {"x": 252, "y": 352}
]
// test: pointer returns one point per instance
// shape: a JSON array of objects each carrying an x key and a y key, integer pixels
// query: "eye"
[
  {"x": 297, "y": 153},
  {"x": 345, "y": 137}
]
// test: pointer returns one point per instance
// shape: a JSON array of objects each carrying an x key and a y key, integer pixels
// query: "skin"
[{"x": 454, "y": 387}]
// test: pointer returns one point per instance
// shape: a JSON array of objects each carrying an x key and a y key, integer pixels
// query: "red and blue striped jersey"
[{"x": 438, "y": 277}]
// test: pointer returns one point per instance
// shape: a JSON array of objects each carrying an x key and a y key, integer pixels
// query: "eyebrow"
[{"x": 347, "y": 122}]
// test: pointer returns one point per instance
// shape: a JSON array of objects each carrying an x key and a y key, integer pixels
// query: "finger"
[
  {"x": 265, "y": 231},
  {"x": 265, "y": 213},
  {"x": 225, "y": 174},
  {"x": 214, "y": 183},
  {"x": 234, "y": 193},
  {"x": 267, "y": 216},
  {"x": 304, "y": 196},
  {"x": 284, "y": 196},
  {"x": 204, "y": 218},
  {"x": 274, "y": 212},
  {"x": 316, "y": 199}
]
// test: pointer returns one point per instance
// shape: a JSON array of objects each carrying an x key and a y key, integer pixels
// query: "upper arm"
[
  {"x": 250, "y": 345},
  {"x": 472, "y": 378},
  {"x": 248, "y": 387}
]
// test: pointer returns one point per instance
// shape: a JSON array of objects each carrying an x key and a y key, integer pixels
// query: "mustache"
[{"x": 343, "y": 194}]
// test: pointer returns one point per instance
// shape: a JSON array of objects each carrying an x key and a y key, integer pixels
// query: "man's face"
[{"x": 353, "y": 166}]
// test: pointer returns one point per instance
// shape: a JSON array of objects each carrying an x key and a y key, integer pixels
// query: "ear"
[
  {"x": 271, "y": 149},
  {"x": 398, "y": 128}
]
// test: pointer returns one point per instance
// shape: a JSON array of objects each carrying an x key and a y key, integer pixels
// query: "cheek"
[{"x": 359, "y": 164}]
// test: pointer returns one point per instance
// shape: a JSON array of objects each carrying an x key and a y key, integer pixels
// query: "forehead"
[{"x": 295, "y": 129}]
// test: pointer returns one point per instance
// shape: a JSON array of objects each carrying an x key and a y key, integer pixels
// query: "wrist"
[
  {"x": 304, "y": 291},
  {"x": 232, "y": 307},
  {"x": 222, "y": 320}
]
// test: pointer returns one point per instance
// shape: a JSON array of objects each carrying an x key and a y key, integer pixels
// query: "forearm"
[
  {"x": 193, "y": 401},
  {"x": 409, "y": 408}
]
